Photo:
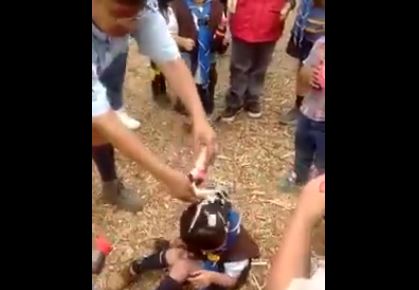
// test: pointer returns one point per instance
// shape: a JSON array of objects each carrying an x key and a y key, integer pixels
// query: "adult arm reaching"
[{"x": 293, "y": 258}]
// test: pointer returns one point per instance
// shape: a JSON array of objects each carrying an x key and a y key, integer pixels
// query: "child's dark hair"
[
  {"x": 319, "y": 3},
  {"x": 203, "y": 226},
  {"x": 131, "y": 2},
  {"x": 164, "y": 7},
  {"x": 164, "y": 4}
]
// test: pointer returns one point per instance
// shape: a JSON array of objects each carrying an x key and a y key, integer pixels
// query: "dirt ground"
[{"x": 253, "y": 155}]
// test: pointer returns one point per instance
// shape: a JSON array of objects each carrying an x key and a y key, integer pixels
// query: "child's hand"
[
  {"x": 318, "y": 77},
  {"x": 201, "y": 279},
  {"x": 180, "y": 270},
  {"x": 188, "y": 44},
  {"x": 285, "y": 12},
  {"x": 226, "y": 41}
]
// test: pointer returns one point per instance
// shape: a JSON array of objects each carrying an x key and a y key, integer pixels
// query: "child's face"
[{"x": 113, "y": 18}]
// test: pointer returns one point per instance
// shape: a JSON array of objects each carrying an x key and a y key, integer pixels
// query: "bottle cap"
[{"x": 103, "y": 245}]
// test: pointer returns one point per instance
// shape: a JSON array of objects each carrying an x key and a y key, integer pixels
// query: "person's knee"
[
  {"x": 97, "y": 138},
  {"x": 174, "y": 255},
  {"x": 183, "y": 268}
]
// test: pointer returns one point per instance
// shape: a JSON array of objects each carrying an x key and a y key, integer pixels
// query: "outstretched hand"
[
  {"x": 312, "y": 202},
  {"x": 180, "y": 186},
  {"x": 205, "y": 137},
  {"x": 201, "y": 279}
]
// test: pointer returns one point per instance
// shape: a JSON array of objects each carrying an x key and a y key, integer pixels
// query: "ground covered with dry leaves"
[{"x": 253, "y": 155}]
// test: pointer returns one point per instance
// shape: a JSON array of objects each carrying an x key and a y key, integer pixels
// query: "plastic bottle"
[{"x": 100, "y": 251}]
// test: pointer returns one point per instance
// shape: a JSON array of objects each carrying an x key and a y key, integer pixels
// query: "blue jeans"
[
  {"x": 113, "y": 79},
  {"x": 309, "y": 147}
]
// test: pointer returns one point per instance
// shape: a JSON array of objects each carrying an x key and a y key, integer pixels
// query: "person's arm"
[
  {"x": 288, "y": 7},
  {"x": 183, "y": 42},
  {"x": 173, "y": 27},
  {"x": 223, "y": 280},
  {"x": 177, "y": 275},
  {"x": 204, "y": 278},
  {"x": 308, "y": 75},
  {"x": 155, "y": 41},
  {"x": 293, "y": 258},
  {"x": 221, "y": 41},
  {"x": 110, "y": 128},
  {"x": 228, "y": 279},
  {"x": 106, "y": 127}
]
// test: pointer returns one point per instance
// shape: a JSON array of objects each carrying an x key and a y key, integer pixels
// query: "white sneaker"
[{"x": 128, "y": 122}]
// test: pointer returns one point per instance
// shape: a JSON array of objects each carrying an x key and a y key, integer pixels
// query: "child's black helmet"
[{"x": 204, "y": 225}]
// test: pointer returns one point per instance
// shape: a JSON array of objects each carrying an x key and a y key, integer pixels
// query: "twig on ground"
[
  {"x": 275, "y": 203},
  {"x": 260, "y": 263},
  {"x": 255, "y": 281},
  {"x": 128, "y": 259}
]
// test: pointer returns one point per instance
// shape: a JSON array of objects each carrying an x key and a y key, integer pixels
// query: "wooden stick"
[
  {"x": 274, "y": 203},
  {"x": 259, "y": 263},
  {"x": 256, "y": 281}
]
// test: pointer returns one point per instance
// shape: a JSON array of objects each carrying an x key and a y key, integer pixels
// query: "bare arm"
[
  {"x": 154, "y": 40},
  {"x": 130, "y": 145},
  {"x": 180, "y": 41},
  {"x": 108, "y": 127},
  {"x": 223, "y": 280},
  {"x": 305, "y": 78},
  {"x": 203, "y": 278},
  {"x": 293, "y": 258},
  {"x": 305, "y": 75}
]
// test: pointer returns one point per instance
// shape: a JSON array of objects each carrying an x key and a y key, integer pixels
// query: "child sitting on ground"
[
  {"x": 217, "y": 248},
  {"x": 310, "y": 132}
]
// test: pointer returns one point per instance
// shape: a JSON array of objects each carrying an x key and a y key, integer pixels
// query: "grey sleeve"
[
  {"x": 154, "y": 39},
  {"x": 100, "y": 103}
]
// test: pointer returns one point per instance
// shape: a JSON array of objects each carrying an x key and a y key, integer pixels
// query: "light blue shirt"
[{"x": 153, "y": 39}]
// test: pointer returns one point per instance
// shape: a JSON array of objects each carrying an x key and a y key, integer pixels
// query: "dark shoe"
[
  {"x": 254, "y": 110},
  {"x": 229, "y": 114},
  {"x": 115, "y": 193},
  {"x": 120, "y": 281},
  {"x": 180, "y": 108},
  {"x": 290, "y": 118},
  {"x": 288, "y": 184},
  {"x": 158, "y": 88},
  {"x": 162, "y": 100}
]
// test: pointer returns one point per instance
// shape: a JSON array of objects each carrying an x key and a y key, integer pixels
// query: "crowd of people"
[{"x": 182, "y": 38}]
